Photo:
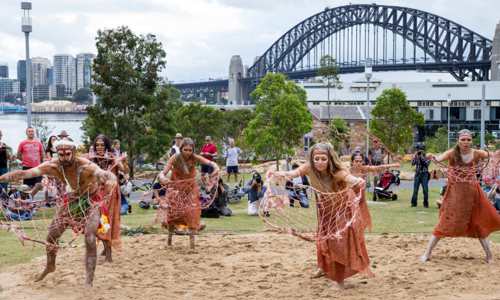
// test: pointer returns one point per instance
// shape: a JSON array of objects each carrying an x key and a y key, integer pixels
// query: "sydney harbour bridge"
[{"x": 388, "y": 38}]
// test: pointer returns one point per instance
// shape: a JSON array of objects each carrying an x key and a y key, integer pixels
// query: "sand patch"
[{"x": 261, "y": 266}]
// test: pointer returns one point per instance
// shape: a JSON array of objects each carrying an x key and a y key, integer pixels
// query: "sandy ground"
[{"x": 261, "y": 266}]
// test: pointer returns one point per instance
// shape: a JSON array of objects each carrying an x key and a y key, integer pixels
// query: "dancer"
[
  {"x": 102, "y": 154},
  {"x": 83, "y": 207},
  {"x": 338, "y": 258},
  {"x": 183, "y": 194},
  {"x": 465, "y": 211}
]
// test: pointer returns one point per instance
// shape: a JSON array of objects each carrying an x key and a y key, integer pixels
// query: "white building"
[
  {"x": 39, "y": 67},
  {"x": 84, "y": 70},
  {"x": 429, "y": 98},
  {"x": 65, "y": 75}
]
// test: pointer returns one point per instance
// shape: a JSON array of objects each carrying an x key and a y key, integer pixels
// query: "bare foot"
[
  {"x": 489, "y": 258},
  {"x": 319, "y": 273},
  {"x": 343, "y": 286},
  {"x": 425, "y": 258},
  {"x": 44, "y": 273}
]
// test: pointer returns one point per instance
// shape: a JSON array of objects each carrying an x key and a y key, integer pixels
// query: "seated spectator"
[{"x": 255, "y": 190}]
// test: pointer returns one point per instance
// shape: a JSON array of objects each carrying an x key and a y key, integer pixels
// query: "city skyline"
[{"x": 199, "y": 36}]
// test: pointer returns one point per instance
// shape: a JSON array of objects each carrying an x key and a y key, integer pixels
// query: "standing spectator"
[
  {"x": 232, "y": 158},
  {"x": 5, "y": 156},
  {"x": 175, "y": 149},
  {"x": 50, "y": 150},
  {"x": 287, "y": 165},
  {"x": 30, "y": 152},
  {"x": 422, "y": 175},
  {"x": 116, "y": 148},
  {"x": 375, "y": 158},
  {"x": 208, "y": 151},
  {"x": 64, "y": 135}
]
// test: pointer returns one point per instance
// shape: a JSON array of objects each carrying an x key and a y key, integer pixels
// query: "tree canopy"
[
  {"x": 281, "y": 117},
  {"x": 393, "y": 120},
  {"x": 133, "y": 103}
]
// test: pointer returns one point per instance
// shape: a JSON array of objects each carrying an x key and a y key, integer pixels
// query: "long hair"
[
  {"x": 180, "y": 163},
  {"x": 105, "y": 139},
  {"x": 334, "y": 162},
  {"x": 49, "y": 144}
]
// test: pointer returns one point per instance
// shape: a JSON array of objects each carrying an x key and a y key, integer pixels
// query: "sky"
[{"x": 199, "y": 36}]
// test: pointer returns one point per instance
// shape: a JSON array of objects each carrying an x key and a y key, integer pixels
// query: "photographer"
[
  {"x": 255, "y": 189},
  {"x": 422, "y": 175}
]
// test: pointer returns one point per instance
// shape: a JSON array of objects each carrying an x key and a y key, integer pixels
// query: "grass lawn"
[{"x": 388, "y": 217}]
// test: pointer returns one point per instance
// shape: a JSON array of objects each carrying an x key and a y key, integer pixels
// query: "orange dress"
[
  {"x": 183, "y": 198},
  {"x": 112, "y": 207},
  {"x": 465, "y": 212},
  {"x": 344, "y": 257}
]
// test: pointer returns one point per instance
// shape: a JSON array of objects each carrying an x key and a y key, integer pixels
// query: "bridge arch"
[{"x": 448, "y": 46}]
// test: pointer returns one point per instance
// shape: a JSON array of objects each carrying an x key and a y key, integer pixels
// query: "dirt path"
[{"x": 261, "y": 266}]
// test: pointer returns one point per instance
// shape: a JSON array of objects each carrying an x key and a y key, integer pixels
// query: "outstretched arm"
[
  {"x": 442, "y": 157},
  {"x": 300, "y": 171},
  {"x": 376, "y": 169},
  {"x": 205, "y": 161},
  {"x": 47, "y": 168},
  {"x": 162, "y": 177},
  {"x": 482, "y": 154}
]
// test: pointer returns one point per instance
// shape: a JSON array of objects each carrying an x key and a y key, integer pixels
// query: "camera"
[{"x": 257, "y": 177}]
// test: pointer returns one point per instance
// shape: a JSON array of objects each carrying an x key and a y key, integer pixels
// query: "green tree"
[
  {"x": 126, "y": 79},
  {"x": 197, "y": 121},
  {"x": 488, "y": 138},
  {"x": 339, "y": 132},
  {"x": 281, "y": 117},
  {"x": 83, "y": 96},
  {"x": 328, "y": 69},
  {"x": 439, "y": 142},
  {"x": 393, "y": 120},
  {"x": 235, "y": 121}
]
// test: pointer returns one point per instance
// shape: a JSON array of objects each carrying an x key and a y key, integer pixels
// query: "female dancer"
[
  {"x": 101, "y": 154},
  {"x": 465, "y": 211},
  {"x": 338, "y": 258},
  {"x": 183, "y": 193}
]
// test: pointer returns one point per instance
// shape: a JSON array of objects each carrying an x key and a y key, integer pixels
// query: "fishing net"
[
  {"x": 328, "y": 215},
  {"x": 31, "y": 218},
  {"x": 183, "y": 199},
  {"x": 468, "y": 174}
]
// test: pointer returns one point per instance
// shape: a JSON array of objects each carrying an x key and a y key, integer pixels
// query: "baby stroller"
[{"x": 383, "y": 188}]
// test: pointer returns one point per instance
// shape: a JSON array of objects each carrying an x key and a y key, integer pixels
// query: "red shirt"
[
  {"x": 209, "y": 148},
  {"x": 32, "y": 152}
]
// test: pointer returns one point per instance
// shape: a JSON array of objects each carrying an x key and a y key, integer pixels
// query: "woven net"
[
  {"x": 30, "y": 220},
  {"x": 183, "y": 197},
  {"x": 328, "y": 216}
]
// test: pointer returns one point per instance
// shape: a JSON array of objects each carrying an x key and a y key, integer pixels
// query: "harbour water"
[{"x": 13, "y": 126}]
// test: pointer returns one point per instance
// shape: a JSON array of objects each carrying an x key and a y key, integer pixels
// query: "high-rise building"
[
  {"x": 84, "y": 70},
  {"x": 4, "y": 71},
  {"x": 8, "y": 86},
  {"x": 50, "y": 76},
  {"x": 39, "y": 66},
  {"x": 65, "y": 74},
  {"x": 21, "y": 74}
]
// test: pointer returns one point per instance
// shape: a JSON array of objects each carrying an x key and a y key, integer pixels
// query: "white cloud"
[{"x": 199, "y": 36}]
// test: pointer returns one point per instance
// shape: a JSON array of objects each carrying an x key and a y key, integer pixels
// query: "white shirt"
[
  {"x": 176, "y": 149},
  {"x": 232, "y": 156}
]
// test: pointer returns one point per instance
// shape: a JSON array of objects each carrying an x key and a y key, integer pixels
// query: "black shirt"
[{"x": 3, "y": 155}]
